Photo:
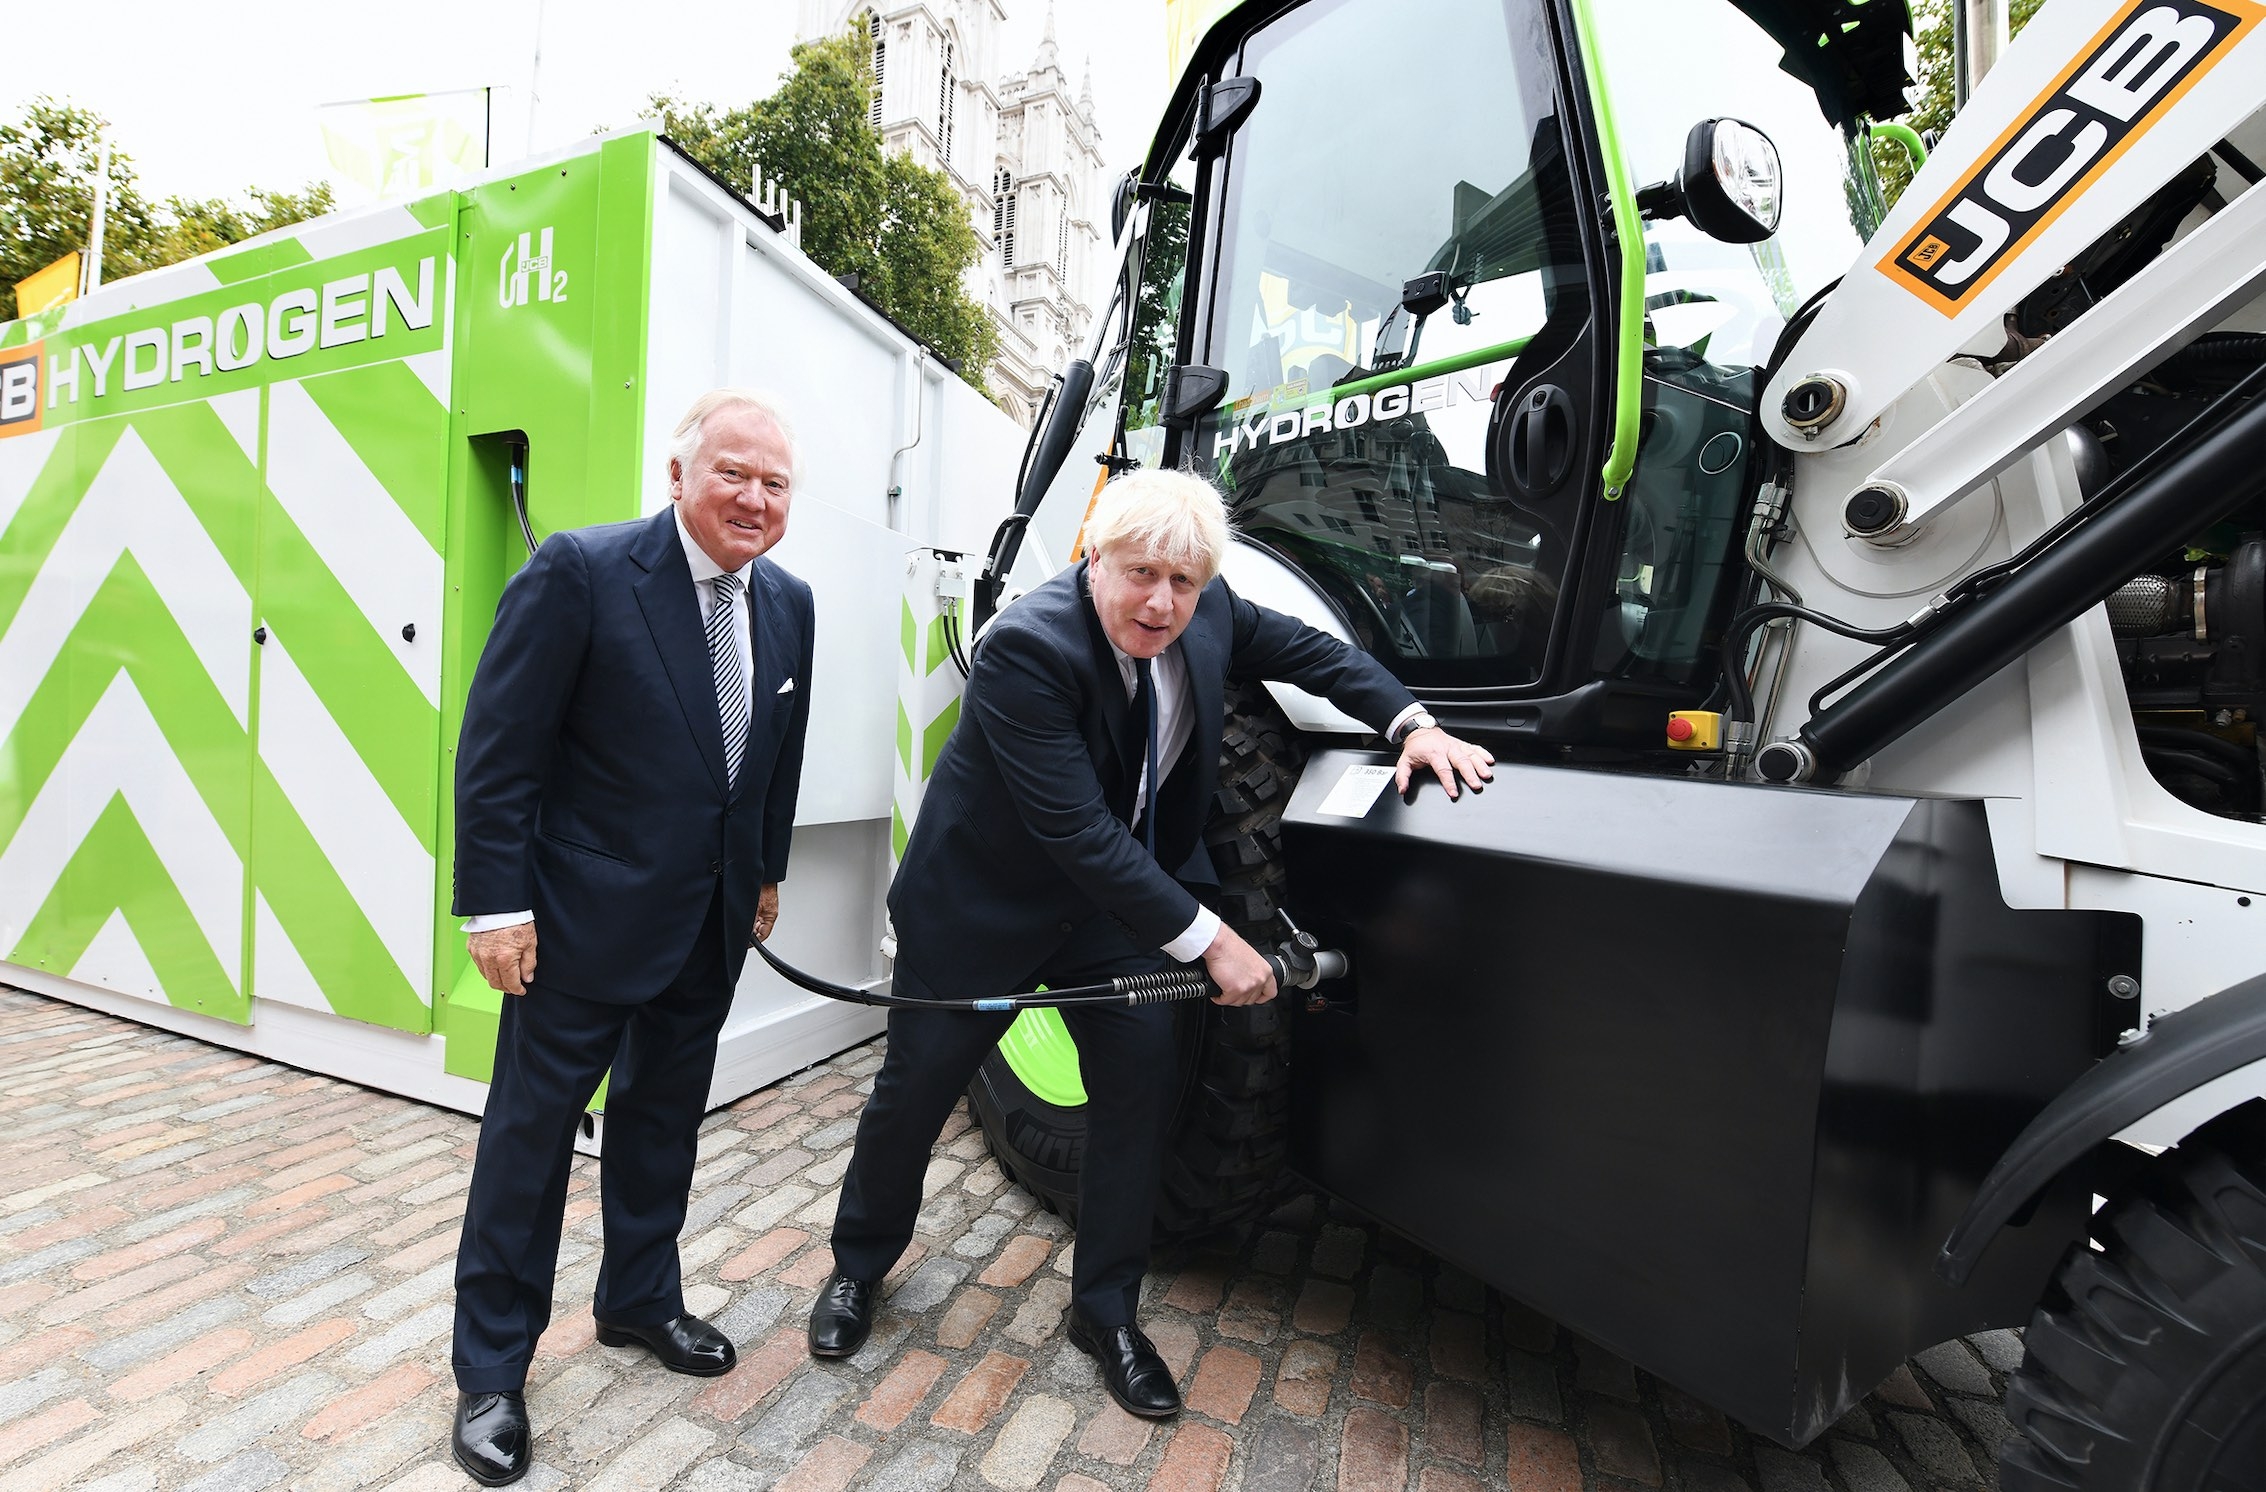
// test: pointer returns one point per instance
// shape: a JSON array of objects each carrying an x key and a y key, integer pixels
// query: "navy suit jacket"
[
  {"x": 1022, "y": 833},
  {"x": 590, "y": 779}
]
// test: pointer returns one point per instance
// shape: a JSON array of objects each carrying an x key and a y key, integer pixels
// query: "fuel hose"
[{"x": 1294, "y": 968}]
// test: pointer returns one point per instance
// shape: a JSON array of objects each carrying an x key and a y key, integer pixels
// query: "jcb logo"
[
  {"x": 2139, "y": 65},
  {"x": 19, "y": 391}
]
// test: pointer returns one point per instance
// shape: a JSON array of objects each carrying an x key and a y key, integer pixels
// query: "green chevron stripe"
[
  {"x": 211, "y": 472},
  {"x": 904, "y": 738},
  {"x": 356, "y": 676},
  {"x": 53, "y": 498},
  {"x": 897, "y": 832},
  {"x": 352, "y": 671},
  {"x": 939, "y": 731},
  {"x": 938, "y": 650},
  {"x": 909, "y": 635},
  {"x": 115, "y": 869},
  {"x": 345, "y": 954},
  {"x": 126, "y": 627},
  {"x": 394, "y": 424}
]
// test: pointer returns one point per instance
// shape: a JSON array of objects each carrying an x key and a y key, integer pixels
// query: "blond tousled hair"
[{"x": 1176, "y": 516}]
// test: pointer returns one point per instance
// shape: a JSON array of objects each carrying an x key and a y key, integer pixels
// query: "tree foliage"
[
  {"x": 48, "y": 163},
  {"x": 1931, "y": 34},
  {"x": 900, "y": 227}
]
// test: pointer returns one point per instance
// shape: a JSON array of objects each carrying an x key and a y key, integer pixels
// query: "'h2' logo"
[
  {"x": 526, "y": 275},
  {"x": 2122, "y": 83}
]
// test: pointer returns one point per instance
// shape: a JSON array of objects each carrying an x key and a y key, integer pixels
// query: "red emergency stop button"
[{"x": 1680, "y": 729}]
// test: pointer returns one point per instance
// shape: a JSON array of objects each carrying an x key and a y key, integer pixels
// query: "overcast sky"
[{"x": 210, "y": 98}]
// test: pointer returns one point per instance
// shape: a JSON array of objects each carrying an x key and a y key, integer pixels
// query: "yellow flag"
[{"x": 45, "y": 289}]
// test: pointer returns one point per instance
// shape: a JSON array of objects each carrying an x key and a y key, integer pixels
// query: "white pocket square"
[{"x": 788, "y": 687}]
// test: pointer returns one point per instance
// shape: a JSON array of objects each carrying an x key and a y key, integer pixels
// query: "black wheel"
[
  {"x": 2146, "y": 1364},
  {"x": 1230, "y": 1128}
]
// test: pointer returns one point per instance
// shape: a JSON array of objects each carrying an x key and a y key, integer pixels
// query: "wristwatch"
[{"x": 1421, "y": 720}]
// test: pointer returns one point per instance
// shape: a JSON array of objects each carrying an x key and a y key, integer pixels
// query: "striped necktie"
[{"x": 731, "y": 689}]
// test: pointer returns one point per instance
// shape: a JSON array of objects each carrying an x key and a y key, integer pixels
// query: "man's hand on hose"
[
  {"x": 766, "y": 912},
  {"x": 1236, "y": 967},
  {"x": 505, "y": 956}
]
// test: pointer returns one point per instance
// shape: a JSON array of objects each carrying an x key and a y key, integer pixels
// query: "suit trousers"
[
  {"x": 551, "y": 1051},
  {"x": 1129, "y": 1060}
]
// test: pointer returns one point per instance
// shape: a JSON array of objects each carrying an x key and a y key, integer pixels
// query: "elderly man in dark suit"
[
  {"x": 1046, "y": 852},
  {"x": 625, "y": 789}
]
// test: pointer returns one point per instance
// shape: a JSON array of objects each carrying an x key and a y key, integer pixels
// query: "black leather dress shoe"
[
  {"x": 842, "y": 1316},
  {"x": 491, "y": 1440},
  {"x": 1136, "y": 1377},
  {"x": 684, "y": 1345}
]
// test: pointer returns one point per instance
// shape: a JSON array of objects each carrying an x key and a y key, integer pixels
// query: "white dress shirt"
[{"x": 704, "y": 570}]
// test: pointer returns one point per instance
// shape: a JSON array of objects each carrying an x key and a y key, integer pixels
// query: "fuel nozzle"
[{"x": 1302, "y": 962}]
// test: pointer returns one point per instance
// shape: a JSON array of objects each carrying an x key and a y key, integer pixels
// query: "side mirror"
[
  {"x": 1121, "y": 204},
  {"x": 1729, "y": 187}
]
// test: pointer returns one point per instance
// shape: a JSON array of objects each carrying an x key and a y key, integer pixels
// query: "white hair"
[
  {"x": 1175, "y": 516},
  {"x": 684, "y": 443}
]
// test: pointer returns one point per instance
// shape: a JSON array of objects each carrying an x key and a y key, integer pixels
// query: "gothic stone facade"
[{"x": 1025, "y": 155}]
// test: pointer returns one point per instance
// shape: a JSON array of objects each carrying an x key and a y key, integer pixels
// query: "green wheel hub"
[{"x": 1039, "y": 1050}]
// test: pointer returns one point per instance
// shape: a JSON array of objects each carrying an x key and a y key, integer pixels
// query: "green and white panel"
[{"x": 192, "y": 813}]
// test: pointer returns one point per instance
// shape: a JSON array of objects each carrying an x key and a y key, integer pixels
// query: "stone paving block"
[
  {"x": 978, "y": 1396},
  {"x": 1027, "y": 1443},
  {"x": 1903, "y": 1389},
  {"x": 1697, "y": 1476},
  {"x": 2001, "y": 1349},
  {"x": 1304, "y": 1378},
  {"x": 1372, "y": 1452},
  {"x": 1781, "y": 1472},
  {"x": 1459, "y": 1346},
  {"x": 653, "y": 1460},
  {"x": 828, "y": 1467},
  {"x": 928, "y": 1285},
  {"x": 1381, "y": 1374},
  {"x": 1865, "y": 1469},
  {"x": 1040, "y": 1313},
  {"x": 1225, "y": 1380},
  {"x": 1396, "y": 1296},
  {"x": 1114, "y": 1436},
  {"x": 1934, "y": 1447},
  {"x": 1285, "y": 1458},
  {"x": 777, "y": 1437},
  {"x": 249, "y": 1472},
  {"x": 1195, "y": 1460},
  {"x": 1324, "y": 1308},
  {"x": 1017, "y": 1262},
  {"x": 54, "y": 1423},
  {"x": 1338, "y": 1251},
  {"x": 922, "y": 1467},
  {"x": 1253, "y": 1312},
  {"x": 899, "y": 1394},
  {"x": 1541, "y": 1460},
  {"x": 192, "y": 1359},
  {"x": 1621, "y": 1442},
  {"x": 1986, "y": 1421},
  {"x": 753, "y": 1314},
  {"x": 1694, "y": 1424},
  {"x": 1955, "y": 1367},
  {"x": 285, "y": 1404},
  {"x": 1453, "y": 1418},
  {"x": 964, "y": 1320}
]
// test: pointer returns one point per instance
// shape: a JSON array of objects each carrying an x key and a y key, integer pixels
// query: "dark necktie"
[
  {"x": 731, "y": 689},
  {"x": 1145, "y": 706}
]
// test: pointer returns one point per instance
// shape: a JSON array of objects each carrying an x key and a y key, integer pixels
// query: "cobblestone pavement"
[{"x": 223, "y": 1275}]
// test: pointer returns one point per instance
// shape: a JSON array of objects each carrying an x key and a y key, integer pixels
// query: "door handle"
[{"x": 1542, "y": 439}]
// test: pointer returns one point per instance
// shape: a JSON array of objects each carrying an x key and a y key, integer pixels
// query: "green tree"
[
  {"x": 901, "y": 228},
  {"x": 48, "y": 161},
  {"x": 1931, "y": 35}
]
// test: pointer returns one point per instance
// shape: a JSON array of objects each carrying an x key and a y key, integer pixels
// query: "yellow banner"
[{"x": 45, "y": 289}]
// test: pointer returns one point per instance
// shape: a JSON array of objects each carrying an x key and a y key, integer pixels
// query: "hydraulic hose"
[{"x": 1294, "y": 969}]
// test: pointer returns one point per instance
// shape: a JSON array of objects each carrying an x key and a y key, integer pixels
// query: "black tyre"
[
  {"x": 1230, "y": 1128},
  {"x": 2145, "y": 1368}
]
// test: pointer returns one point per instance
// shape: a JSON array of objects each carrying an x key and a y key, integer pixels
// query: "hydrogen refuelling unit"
[{"x": 256, "y": 510}]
